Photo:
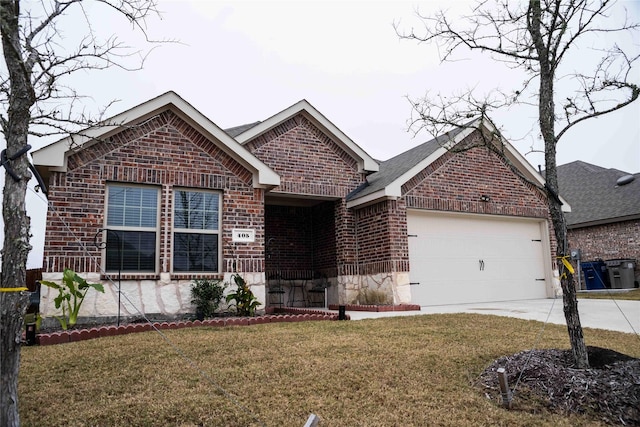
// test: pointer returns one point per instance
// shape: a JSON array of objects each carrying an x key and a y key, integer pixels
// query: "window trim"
[
  {"x": 156, "y": 229},
  {"x": 175, "y": 230}
]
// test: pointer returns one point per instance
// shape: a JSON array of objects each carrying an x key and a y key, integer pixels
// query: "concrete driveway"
[{"x": 623, "y": 316}]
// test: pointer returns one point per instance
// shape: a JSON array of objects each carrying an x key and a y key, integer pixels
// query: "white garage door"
[{"x": 475, "y": 258}]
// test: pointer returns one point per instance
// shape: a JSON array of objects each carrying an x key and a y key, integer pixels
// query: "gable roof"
[
  {"x": 595, "y": 196},
  {"x": 365, "y": 162},
  {"x": 237, "y": 130},
  {"x": 395, "y": 172},
  {"x": 54, "y": 156}
]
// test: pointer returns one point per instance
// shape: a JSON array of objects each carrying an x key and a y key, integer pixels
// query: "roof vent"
[{"x": 624, "y": 180}]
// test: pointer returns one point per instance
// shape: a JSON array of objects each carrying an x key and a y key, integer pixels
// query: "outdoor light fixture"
[{"x": 485, "y": 198}]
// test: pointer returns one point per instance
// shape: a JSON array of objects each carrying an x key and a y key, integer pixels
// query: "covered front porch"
[{"x": 300, "y": 251}]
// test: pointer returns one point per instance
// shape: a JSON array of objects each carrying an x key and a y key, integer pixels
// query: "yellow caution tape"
[
  {"x": 568, "y": 265},
  {"x": 13, "y": 289}
]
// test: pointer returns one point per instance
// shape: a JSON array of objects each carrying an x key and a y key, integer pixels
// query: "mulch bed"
[{"x": 609, "y": 390}]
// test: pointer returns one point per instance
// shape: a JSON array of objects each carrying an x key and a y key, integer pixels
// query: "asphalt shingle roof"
[
  {"x": 594, "y": 196},
  {"x": 395, "y": 167},
  {"x": 237, "y": 130}
]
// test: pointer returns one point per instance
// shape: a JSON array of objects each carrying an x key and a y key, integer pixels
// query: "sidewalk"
[{"x": 622, "y": 316}]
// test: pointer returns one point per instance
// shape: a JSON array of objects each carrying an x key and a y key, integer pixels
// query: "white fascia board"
[
  {"x": 396, "y": 186},
  {"x": 263, "y": 176},
  {"x": 376, "y": 197},
  {"x": 51, "y": 156},
  {"x": 365, "y": 162},
  {"x": 55, "y": 155},
  {"x": 525, "y": 167},
  {"x": 394, "y": 189}
]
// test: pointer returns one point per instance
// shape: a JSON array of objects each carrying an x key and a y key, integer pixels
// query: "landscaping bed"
[
  {"x": 609, "y": 390},
  {"x": 277, "y": 315}
]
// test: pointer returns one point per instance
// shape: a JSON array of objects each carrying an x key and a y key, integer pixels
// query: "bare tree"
[
  {"x": 537, "y": 37},
  {"x": 36, "y": 99}
]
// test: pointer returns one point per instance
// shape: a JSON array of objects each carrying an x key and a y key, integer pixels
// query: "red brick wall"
[
  {"x": 324, "y": 244},
  {"x": 346, "y": 240},
  {"x": 456, "y": 181},
  {"x": 289, "y": 232},
  {"x": 308, "y": 162},
  {"x": 166, "y": 152},
  {"x": 300, "y": 240},
  {"x": 382, "y": 237},
  {"x": 610, "y": 241}
]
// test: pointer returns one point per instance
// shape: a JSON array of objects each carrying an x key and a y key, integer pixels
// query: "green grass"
[
  {"x": 409, "y": 371},
  {"x": 633, "y": 294}
]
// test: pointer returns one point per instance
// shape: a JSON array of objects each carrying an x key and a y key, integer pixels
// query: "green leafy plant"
[
  {"x": 243, "y": 299},
  {"x": 71, "y": 293},
  {"x": 206, "y": 295}
]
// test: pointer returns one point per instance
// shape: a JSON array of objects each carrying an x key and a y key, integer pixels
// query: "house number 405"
[{"x": 244, "y": 235}]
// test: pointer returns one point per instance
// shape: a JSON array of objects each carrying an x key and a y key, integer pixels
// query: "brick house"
[
  {"x": 605, "y": 220},
  {"x": 161, "y": 195}
]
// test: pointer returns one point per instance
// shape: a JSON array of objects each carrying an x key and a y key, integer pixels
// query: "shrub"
[{"x": 206, "y": 295}]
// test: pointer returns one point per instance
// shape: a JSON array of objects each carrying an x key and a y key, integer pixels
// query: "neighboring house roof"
[
  {"x": 365, "y": 162},
  {"x": 395, "y": 172},
  {"x": 595, "y": 196},
  {"x": 54, "y": 156}
]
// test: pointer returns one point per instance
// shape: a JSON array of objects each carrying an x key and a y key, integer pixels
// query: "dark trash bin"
[
  {"x": 595, "y": 275},
  {"x": 621, "y": 273}
]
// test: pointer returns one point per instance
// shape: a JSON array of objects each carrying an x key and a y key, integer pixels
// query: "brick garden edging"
[
  {"x": 378, "y": 308},
  {"x": 302, "y": 315}
]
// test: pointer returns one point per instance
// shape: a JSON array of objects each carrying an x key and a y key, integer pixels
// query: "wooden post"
[{"x": 504, "y": 388}]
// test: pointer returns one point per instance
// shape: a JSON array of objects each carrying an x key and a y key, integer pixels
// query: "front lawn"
[{"x": 402, "y": 371}]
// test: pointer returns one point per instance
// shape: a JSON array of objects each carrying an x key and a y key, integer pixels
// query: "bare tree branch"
[
  {"x": 535, "y": 37},
  {"x": 50, "y": 58}
]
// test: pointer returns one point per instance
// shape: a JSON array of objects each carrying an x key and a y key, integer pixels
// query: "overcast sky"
[{"x": 238, "y": 62}]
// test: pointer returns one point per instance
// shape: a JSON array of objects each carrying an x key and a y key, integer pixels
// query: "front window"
[
  {"x": 196, "y": 231},
  {"x": 132, "y": 224}
]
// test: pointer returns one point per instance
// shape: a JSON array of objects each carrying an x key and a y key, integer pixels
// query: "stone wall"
[{"x": 165, "y": 298}]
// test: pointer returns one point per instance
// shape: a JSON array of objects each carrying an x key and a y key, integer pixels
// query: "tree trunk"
[
  {"x": 569, "y": 299},
  {"x": 12, "y": 308},
  {"x": 546, "y": 115},
  {"x": 16, "y": 222}
]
